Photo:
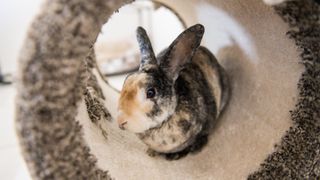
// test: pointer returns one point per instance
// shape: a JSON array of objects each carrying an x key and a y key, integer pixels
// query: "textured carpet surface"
[
  {"x": 51, "y": 84},
  {"x": 298, "y": 155}
]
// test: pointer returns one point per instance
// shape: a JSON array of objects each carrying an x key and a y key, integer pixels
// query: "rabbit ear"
[
  {"x": 147, "y": 54},
  {"x": 182, "y": 50}
]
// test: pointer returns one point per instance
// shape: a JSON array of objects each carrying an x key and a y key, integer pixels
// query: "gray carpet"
[
  {"x": 51, "y": 85},
  {"x": 298, "y": 155}
]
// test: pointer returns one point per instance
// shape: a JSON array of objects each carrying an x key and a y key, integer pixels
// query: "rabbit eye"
[{"x": 151, "y": 92}]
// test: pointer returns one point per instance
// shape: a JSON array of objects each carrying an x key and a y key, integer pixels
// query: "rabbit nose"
[
  {"x": 121, "y": 126},
  {"x": 121, "y": 122}
]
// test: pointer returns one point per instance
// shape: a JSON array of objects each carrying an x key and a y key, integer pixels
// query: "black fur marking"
[
  {"x": 196, "y": 147},
  {"x": 184, "y": 125},
  {"x": 173, "y": 139},
  {"x": 175, "y": 156},
  {"x": 156, "y": 111},
  {"x": 164, "y": 142}
]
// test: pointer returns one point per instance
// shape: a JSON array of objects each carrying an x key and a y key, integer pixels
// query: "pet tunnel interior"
[{"x": 65, "y": 108}]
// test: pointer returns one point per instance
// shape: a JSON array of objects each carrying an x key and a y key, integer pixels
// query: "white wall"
[{"x": 15, "y": 17}]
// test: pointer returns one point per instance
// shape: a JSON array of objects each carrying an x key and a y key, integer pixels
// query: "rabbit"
[{"x": 174, "y": 99}]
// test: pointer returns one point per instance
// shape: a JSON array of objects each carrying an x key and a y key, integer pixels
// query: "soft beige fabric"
[{"x": 263, "y": 92}]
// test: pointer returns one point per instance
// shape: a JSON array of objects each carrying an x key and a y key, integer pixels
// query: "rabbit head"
[{"x": 148, "y": 96}]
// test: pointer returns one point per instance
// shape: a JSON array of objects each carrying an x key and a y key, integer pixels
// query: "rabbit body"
[
  {"x": 199, "y": 95},
  {"x": 175, "y": 98}
]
